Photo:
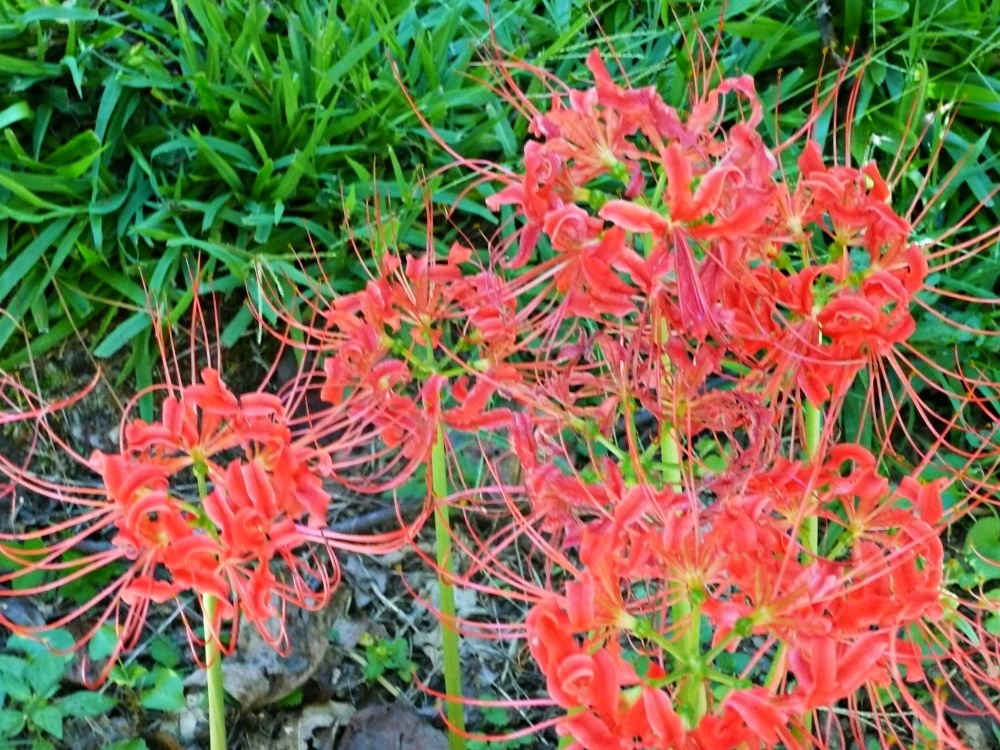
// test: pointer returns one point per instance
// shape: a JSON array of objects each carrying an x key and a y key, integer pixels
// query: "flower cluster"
[
  {"x": 263, "y": 487},
  {"x": 657, "y": 568},
  {"x": 252, "y": 494},
  {"x": 391, "y": 350},
  {"x": 662, "y": 341},
  {"x": 223, "y": 497},
  {"x": 804, "y": 282}
]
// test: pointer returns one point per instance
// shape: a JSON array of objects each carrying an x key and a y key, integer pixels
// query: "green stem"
[
  {"x": 813, "y": 424},
  {"x": 670, "y": 454},
  {"x": 213, "y": 668},
  {"x": 213, "y": 649},
  {"x": 693, "y": 697},
  {"x": 644, "y": 629},
  {"x": 814, "y": 429},
  {"x": 449, "y": 635},
  {"x": 693, "y": 694}
]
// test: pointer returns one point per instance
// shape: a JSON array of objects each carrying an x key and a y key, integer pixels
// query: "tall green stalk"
[
  {"x": 692, "y": 696},
  {"x": 213, "y": 667},
  {"x": 813, "y": 420},
  {"x": 213, "y": 651},
  {"x": 670, "y": 455},
  {"x": 813, "y": 425},
  {"x": 449, "y": 635}
]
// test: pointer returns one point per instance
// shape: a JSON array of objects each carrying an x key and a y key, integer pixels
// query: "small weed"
[
  {"x": 496, "y": 719},
  {"x": 29, "y": 683},
  {"x": 157, "y": 688},
  {"x": 384, "y": 656}
]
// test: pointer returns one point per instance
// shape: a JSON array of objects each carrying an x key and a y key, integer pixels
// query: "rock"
[
  {"x": 391, "y": 727},
  {"x": 319, "y": 722}
]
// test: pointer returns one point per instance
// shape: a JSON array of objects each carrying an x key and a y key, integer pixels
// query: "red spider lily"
[
  {"x": 829, "y": 623},
  {"x": 808, "y": 281},
  {"x": 688, "y": 277},
  {"x": 850, "y": 617},
  {"x": 251, "y": 532}
]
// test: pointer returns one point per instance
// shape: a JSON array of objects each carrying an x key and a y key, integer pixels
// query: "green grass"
[
  {"x": 142, "y": 138},
  {"x": 138, "y": 136}
]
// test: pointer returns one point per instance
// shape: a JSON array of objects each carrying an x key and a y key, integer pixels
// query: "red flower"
[
  {"x": 249, "y": 538},
  {"x": 826, "y": 671}
]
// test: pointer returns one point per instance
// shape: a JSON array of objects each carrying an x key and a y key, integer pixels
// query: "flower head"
[{"x": 223, "y": 495}]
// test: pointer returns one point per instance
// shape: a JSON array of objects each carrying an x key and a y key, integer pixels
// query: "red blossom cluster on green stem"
[
  {"x": 222, "y": 496},
  {"x": 665, "y": 264},
  {"x": 841, "y": 617},
  {"x": 714, "y": 261}
]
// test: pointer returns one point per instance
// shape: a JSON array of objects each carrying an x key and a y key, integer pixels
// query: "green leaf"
[
  {"x": 165, "y": 652},
  {"x": 14, "y": 113},
  {"x": 136, "y": 744},
  {"x": 12, "y": 665},
  {"x": 59, "y": 14},
  {"x": 32, "y": 69},
  {"x": 237, "y": 326},
  {"x": 11, "y": 723},
  {"x": 16, "y": 185},
  {"x": 112, "y": 92},
  {"x": 86, "y": 703},
  {"x": 982, "y": 547},
  {"x": 16, "y": 687},
  {"x": 44, "y": 643},
  {"x": 372, "y": 670},
  {"x": 167, "y": 693},
  {"x": 46, "y": 672},
  {"x": 130, "y": 676},
  {"x": 992, "y": 625},
  {"x": 123, "y": 334},
  {"x": 225, "y": 171},
  {"x": 103, "y": 644},
  {"x": 852, "y": 14},
  {"x": 292, "y": 700},
  {"x": 48, "y": 719},
  {"x": 74, "y": 71},
  {"x": 889, "y": 10},
  {"x": 496, "y": 716},
  {"x": 984, "y": 538},
  {"x": 29, "y": 257}
]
